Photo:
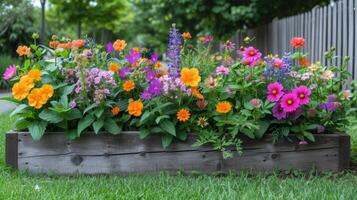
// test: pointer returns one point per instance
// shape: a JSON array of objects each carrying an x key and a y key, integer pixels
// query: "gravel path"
[{"x": 5, "y": 105}]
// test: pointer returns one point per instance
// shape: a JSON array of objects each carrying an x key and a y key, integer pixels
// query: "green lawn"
[{"x": 15, "y": 185}]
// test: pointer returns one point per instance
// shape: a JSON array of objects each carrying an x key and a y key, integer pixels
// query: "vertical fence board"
[{"x": 350, "y": 37}]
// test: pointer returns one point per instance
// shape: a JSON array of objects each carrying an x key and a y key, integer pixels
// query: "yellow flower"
[
  {"x": 114, "y": 67},
  {"x": 36, "y": 98},
  {"x": 183, "y": 115},
  {"x": 119, "y": 45},
  {"x": 223, "y": 107},
  {"x": 128, "y": 85},
  {"x": 196, "y": 93},
  {"x": 135, "y": 108},
  {"x": 27, "y": 81},
  {"x": 35, "y": 74},
  {"x": 20, "y": 91},
  {"x": 47, "y": 90},
  {"x": 158, "y": 65},
  {"x": 190, "y": 77}
]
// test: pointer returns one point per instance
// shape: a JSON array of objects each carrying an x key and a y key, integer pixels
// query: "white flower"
[{"x": 37, "y": 188}]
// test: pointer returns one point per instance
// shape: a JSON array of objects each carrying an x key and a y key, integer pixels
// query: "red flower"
[{"x": 297, "y": 42}]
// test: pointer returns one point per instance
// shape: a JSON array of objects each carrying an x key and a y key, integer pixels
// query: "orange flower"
[
  {"x": 136, "y": 49},
  {"x": 223, "y": 107},
  {"x": 27, "y": 81},
  {"x": 47, "y": 90},
  {"x": 196, "y": 92},
  {"x": 36, "y": 98},
  {"x": 158, "y": 65},
  {"x": 297, "y": 42},
  {"x": 23, "y": 50},
  {"x": 119, "y": 45},
  {"x": 190, "y": 77},
  {"x": 66, "y": 45},
  {"x": 115, "y": 110},
  {"x": 183, "y": 115},
  {"x": 78, "y": 44},
  {"x": 35, "y": 74},
  {"x": 128, "y": 85},
  {"x": 304, "y": 62},
  {"x": 135, "y": 108},
  {"x": 20, "y": 91},
  {"x": 186, "y": 35},
  {"x": 54, "y": 44},
  {"x": 114, "y": 67}
]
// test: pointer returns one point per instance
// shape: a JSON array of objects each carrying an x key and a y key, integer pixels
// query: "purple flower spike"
[
  {"x": 110, "y": 47},
  {"x": 174, "y": 52}
]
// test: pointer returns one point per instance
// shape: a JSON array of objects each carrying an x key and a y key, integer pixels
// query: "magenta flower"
[
  {"x": 146, "y": 95},
  {"x": 222, "y": 70},
  {"x": 251, "y": 56},
  {"x": 278, "y": 112},
  {"x": 133, "y": 56},
  {"x": 303, "y": 93},
  {"x": 9, "y": 72},
  {"x": 275, "y": 91},
  {"x": 278, "y": 63},
  {"x": 303, "y": 142},
  {"x": 290, "y": 102},
  {"x": 109, "y": 47}
]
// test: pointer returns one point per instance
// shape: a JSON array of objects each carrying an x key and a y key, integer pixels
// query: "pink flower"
[
  {"x": 290, "y": 102},
  {"x": 256, "y": 103},
  {"x": 303, "y": 142},
  {"x": 278, "y": 63},
  {"x": 278, "y": 112},
  {"x": 303, "y": 93},
  {"x": 222, "y": 70},
  {"x": 9, "y": 72},
  {"x": 275, "y": 91},
  {"x": 251, "y": 56}
]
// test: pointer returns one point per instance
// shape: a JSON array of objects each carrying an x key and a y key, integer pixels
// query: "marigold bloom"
[
  {"x": 196, "y": 93},
  {"x": 115, "y": 110},
  {"x": 23, "y": 50},
  {"x": 119, "y": 45},
  {"x": 297, "y": 42},
  {"x": 35, "y": 74},
  {"x": 128, "y": 85},
  {"x": 223, "y": 107},
  {"x": 190, "y": 77},
  {"x": 27, "y": 81},
  {"x": 47, "y": 90},
  {"x": 304, "y": 62},
  {"x": 36, "y": 98},
  {"x": 78, "y": 43},
  {"x": 114, "y": 67},
  {"x": 183, "y": 115},
  {"x": 54, "y": 44},
  {"x": 186, "y": 35},
  {"x": 135, "y": 108},
  {"x": 20, "y": 91}
]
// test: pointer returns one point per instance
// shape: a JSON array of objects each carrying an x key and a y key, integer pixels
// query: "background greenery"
[{"x": 16, "y": 185}]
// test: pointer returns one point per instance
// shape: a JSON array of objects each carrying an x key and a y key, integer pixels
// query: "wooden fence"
[{"x": 323, "y": 27}]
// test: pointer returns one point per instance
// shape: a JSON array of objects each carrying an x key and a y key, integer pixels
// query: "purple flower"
[
  {"x": 222, "y": 70},
  {"x": 331, "y": 98},
  {"x": 155, "y": 87},
  {"x": 123, "y": 72},
  {"x": 150, "y": 75},
  {"x": 173, "y": 52},
  {"x": 278, "y": 112},
  {"x": 330, "y": 106},
  {"x": 154, "y": 57},
  {"x": 9, "y": 72},
  {"x": 320, "y": 129},
  {"x": 229, "y": 45},
  {"x": 146, "y": 95},
  {"x": 303, "y": 142},
  {"x": 73, "y": 104},
  {"x": 133, "y": 56},
  {"x": 109, "y": 47}
]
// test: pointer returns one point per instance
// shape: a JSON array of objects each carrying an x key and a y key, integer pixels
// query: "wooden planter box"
[{"x": 127, "y": 153}]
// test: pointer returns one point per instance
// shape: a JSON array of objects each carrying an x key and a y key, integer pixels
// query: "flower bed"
[{"x": 77, "y": 86}]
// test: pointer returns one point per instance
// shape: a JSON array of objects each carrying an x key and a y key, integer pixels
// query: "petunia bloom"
[
  {"x": 9, "y": 72},
  {"x": 290, "y": 102},
  {"x": 303, "y": 93},
  {"x": 275, "y": 92}
]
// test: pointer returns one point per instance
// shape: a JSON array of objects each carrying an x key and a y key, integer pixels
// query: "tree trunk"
[
  {"x": 79, "y": 29},
  {"x": 43, "y": 22}
]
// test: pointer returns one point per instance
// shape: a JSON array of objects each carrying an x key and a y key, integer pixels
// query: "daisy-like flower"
[
  {"x": 278, "y": 112},
  {"x": 222, "y": 70},
  {"x": 303, "y": 93},
  {"x": 251, "y": 56},
  {"x": 290, "y": 102},
  {"x": 9, "y": 72},
  {"x": 327, "y": 75},
  {"x": 297, "y": 42},
  {"x": 278, "y": 63},
  {"x": 202, "y": 122},
  {"x": 183, "y": 115},
  {"x": 275, "y": 91}
]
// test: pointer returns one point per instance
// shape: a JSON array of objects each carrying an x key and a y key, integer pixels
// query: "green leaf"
[
  {"x": 84, "y": 123},
  {"x": 263, "y": 127},
  {"x": 248, "y": 132},
  {"x": 10, "y": 99},
  {"x": 73, "y": 114},
  {"x": 144, "y": 133},
  {"x": 18, "y": 109},
  {"x": 21, "y": 123},
  {"x": 156, "y": 129},
  {"x": 309, "y": 136},
  {"x": 158, "y": 119},
  {"x": 67, "y": 90},
  {"x": 145, "y": 117},
  {"x": 248, "y": 106},
  {"x": 98, "y": 112},
  {"x": 71, "y": 134},
  {"x": 285, "y": 131},
  {"x": 168, "y": 126},
  {"x": 37, "y": 129},
  {"x": 111, "y": 126},
  {"x": 90, "y": 108},
  {"x": 50, "y": 116},
  {"x": 166, "y": 140},
  {"x": 97, "y": 125}
]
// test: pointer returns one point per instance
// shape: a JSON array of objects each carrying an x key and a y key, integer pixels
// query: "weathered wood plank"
[{"x": 127, "y": 153}]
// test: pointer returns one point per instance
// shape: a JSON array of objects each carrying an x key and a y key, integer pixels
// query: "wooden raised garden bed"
[{"x": 127, "y": 153}]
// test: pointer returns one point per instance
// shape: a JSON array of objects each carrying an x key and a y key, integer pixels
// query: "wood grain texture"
[{"x": 127, "y": 154}]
